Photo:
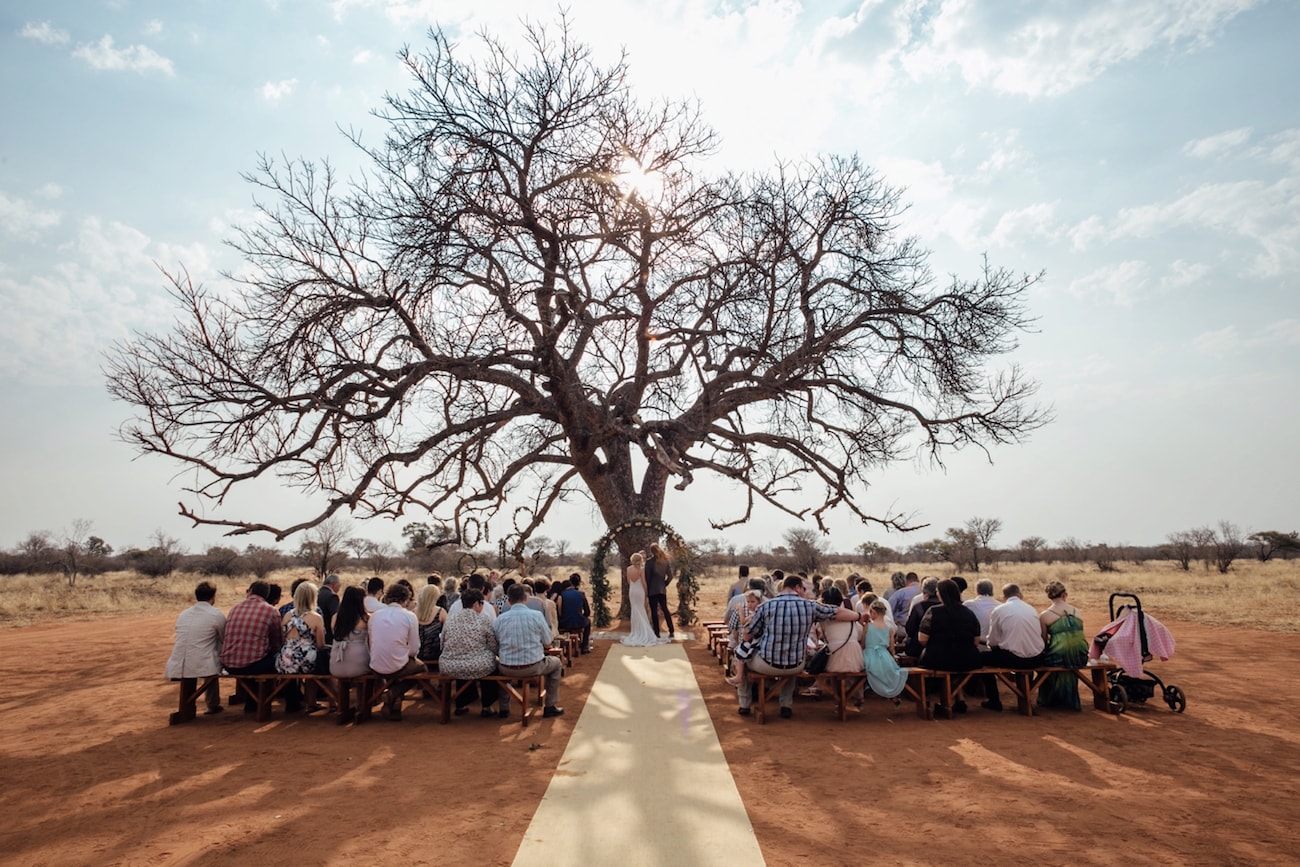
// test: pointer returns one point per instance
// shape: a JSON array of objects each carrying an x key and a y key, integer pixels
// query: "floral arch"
[{"x": 687, "y": 586}]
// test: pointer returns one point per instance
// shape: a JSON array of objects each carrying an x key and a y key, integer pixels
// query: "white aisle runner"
[{"x": 643, "y": 780}]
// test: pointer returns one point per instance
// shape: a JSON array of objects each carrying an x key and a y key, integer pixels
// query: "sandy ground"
[{"x": 91, "y": 773}]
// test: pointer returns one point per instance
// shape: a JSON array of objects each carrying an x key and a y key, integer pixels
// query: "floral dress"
[
  {"x": 469, "y": 646},
  {"x": 298, "y": 654}
]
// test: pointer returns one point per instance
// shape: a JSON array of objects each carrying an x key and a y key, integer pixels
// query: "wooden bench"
[
  {"x": 1023, "y": 684},
  {"x": 924, "y": 685},
  {"x": 519, "y": 693}
]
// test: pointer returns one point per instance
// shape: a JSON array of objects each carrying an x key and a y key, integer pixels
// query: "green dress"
[{"x": 1066, "y": 646}]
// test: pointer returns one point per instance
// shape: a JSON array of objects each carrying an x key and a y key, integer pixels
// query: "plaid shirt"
[
  {"x": 252, "y": 632},
  {"x": 522, "y": 635},
  {"x": 781, "y": 626}
]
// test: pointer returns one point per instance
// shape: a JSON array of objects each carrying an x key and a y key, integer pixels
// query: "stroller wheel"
[
  {"x": 1118, "y": 699},
  {"x": 1175, "y": 699}
]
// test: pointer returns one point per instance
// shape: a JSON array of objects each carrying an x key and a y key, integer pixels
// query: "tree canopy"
[{"x": 536, "y": 289}]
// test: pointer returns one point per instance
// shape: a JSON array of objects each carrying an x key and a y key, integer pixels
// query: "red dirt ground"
[{"x": 93, "y": 774}]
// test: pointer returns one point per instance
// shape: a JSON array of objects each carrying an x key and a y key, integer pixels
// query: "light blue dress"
[{"x": 883, "y": 674}]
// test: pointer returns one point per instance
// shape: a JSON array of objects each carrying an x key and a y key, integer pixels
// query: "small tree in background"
[
  {"x": 807, "y": 549},
  {"x": 1228, "y": 546}
]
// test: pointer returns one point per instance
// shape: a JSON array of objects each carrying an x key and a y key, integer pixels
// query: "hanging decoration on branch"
[{"x": 687, "y": 586}]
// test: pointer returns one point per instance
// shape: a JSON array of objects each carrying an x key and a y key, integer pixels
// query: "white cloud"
[
  {"x": 1005, "y": 154},
  {"x": 106, "y": 285},
  {"x": 133, "y": 58},
  {"x": 1230, "y": 341},
  {"x": 153, "y": 27},
  {"x": 1059, "y": 48},
  {"x": 363, "y": 56},
  {"x": 21, "y": 220},
  {"x": 1217, "y": 145},
  {"x": 1184, "y": 274},
  {"x": 1119, "y": 283},
  {"x": 50, "y": 191},
  {"x": 1033, "y": 221},
  {"x": 1282, "y": 148},
  {"x": 274, "y": 91},
  {"x": 44, "y": 31}
]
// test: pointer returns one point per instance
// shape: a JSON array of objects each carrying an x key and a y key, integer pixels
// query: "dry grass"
[{"x": 1252, "y": 595}]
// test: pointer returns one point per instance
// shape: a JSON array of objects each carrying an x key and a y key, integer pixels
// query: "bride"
[{"x": 642, "y": 634}]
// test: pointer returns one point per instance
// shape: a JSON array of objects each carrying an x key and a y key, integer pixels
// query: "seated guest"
[
  {"x": 983, "y": 604},
  {"x": 374, "y": 590},
  {"x": 1015, "y": 639},
  {"x": 781, "y": 626},
  {"x": 949, "y": 633},
  {"x": 252, "y": 641},
  {"x": 430, "y": 616},
  {"x": 900, "y": 603},
  {"x": 293, "y": 589},
  {"x": 844, "y": 638},
  {"x": 1062, "y": 629},
  {"x": 350, "y": 656},
  {"x": 450, "y": 593},
  {"x": 542, "y": 593},
  {"x": 896, "y": 581},
  {"x": 394, "y": 647},
  {"x": 927, "y": 598},
  {"x": 740, "y": 611},
  {"x": 479, "y": 582},
  {"x": 523, "y": 635},
  {"x": 196, "y": 652},
  {"x": 327, "y": 602},
  {"x": 883, "y": 674},
  {"x": 303, "y": 651},
  {"x": 469, "y": 651},
  {"x": 304, "y": 633},
  {"x": 575, "y": 611},
  {"x": 273, "y": 595}
]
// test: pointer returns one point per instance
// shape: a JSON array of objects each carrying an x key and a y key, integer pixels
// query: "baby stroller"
[{"x": 1128, "y": 641}]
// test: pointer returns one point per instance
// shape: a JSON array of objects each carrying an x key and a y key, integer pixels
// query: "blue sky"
[{"x": 1145, "y": 155}]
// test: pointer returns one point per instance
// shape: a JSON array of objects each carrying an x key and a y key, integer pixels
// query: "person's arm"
[
  {"x": 317, "y": 628},
  {"x": 923, "y": 628}
]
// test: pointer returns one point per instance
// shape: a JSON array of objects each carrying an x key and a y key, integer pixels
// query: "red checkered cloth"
[{"x": 252, "y": 631}]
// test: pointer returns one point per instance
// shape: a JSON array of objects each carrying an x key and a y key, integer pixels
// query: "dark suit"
[
  {"x": 328, "y": 603},
  {"x": 657, "y": 575}
]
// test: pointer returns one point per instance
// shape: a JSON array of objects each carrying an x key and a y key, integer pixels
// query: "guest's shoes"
[
  {"x": 487, "y": 712},
  {"x": 551, "y": 711},
  {"x": 504, "y": 713},
  {"x": 735, "y": 680},
  {"x": 315, "y": 707},
  {"x": 391, "y": 711},
  {"x": 897, "y": 701},
  {"x": 743, "y": 711},
  {"x": 989, "y": 704},
  {"x": 786, "y": 712},
  {"x": 214, "y": 709},
  {"x": 461, "y": 711}
]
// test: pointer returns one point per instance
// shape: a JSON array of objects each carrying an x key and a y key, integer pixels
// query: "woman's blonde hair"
[
  {"x": 426, "y": 602},
  {"x": 637, "y": 558},
  {"x": 304, "y": 598}
]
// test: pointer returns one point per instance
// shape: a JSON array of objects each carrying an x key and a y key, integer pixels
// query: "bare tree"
[
  {"x": 1072, "y": 550},
  {"x": 73, "y": 550},
  {"x": 1203, "y": 539},
  {"x": 536, "y": 291},
  {"x": 1228, "y": 546},
  {"x": 806, "y": 547},
  {"x": 966, "y": 542},
  {"x": 160, "y": 559},
  {"x": 324, "y": 546},
  {"x": 1181, "y": 548},
  {"x": 1029, "y": 548}
]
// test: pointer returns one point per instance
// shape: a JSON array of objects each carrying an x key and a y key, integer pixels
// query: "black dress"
[{"x": 951, "y": 646}]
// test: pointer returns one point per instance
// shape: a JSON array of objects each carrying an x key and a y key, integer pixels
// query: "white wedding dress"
[{"x": 642, "y": 634}]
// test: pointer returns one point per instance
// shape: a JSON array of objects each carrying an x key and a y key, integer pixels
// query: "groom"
[{"x": 658, "y": 572}]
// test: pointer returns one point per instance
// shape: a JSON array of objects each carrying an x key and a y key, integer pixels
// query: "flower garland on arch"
[{"x": 688, "y": 587}]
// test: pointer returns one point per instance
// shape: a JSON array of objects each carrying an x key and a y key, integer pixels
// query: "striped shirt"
[
  {"x": 522, "y": 635},
  {"x": 781, "y": 626}
]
